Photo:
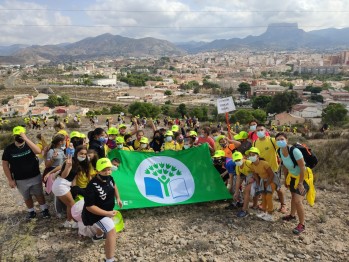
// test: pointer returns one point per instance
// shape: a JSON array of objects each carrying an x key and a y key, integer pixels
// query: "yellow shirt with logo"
[
  {"x": 171, "y": 146},
  {"x": 261, "y": 169},
  {"x": 268, "y": 149},
  {"x": 245, "y": 169}
]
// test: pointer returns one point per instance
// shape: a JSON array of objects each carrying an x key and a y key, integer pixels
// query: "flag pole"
[{"x": 228, "y": 124}]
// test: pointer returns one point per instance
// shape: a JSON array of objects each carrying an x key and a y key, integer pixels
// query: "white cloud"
[{"x": 174, "y": 20}]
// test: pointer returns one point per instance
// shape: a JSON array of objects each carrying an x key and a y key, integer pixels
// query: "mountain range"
[{"x": 278, "y": 37}]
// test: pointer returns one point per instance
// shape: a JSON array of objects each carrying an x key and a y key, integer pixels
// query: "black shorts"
[{"x": 293, "y": 190}]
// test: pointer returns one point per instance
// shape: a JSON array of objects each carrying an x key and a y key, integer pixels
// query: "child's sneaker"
[
  {"x": 283, "y": 209},
  {"x": 70, "y": 224},
  {"x": 242, "y": 213},
  {"x": 288, "y": 218},
  {"x": 31, "y": 215},
  {"x": 299, "y": 229},
  {"x": 268, "y": 217},
  {"x": 45, "y": 213},
  {"x": 261, "y": 215},
  {"x": 96, "y": 238}
]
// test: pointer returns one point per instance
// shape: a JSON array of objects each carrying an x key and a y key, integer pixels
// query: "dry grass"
[{"x": 333, "y": 156}]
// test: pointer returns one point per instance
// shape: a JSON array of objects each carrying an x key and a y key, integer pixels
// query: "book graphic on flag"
[
  {"x": 153, "y": 187},
  {"x": 177, "y": 186}
]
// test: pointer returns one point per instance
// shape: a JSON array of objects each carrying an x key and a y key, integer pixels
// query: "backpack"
[{"x": 309, "y": 157}]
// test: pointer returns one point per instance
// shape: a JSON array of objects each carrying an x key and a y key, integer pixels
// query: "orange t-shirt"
[{"x": 229, "y": 150}]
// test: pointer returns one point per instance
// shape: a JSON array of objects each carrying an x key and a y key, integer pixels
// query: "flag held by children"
[{"x": 167, "y": 178}]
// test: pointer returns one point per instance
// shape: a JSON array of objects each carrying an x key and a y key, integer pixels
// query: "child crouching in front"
[{"x": 99, "y": 205}]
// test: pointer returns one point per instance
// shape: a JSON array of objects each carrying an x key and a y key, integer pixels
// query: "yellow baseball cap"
[
  {"x": 237, "y": 156},
  {"x": 75, "y": 134},
  {"x": 241, "y": 135},
  {"x": 113, "y": 131},
  {"x": 120, "y": 140},
  {"x": 253, "y": 150},
  {"x": 193, "y": 133},
  {"x": 144, "y": 140},
  {"x": 18, "y": 130},
  {"x": 122, "y": 126},
  {"x": 175, "y": 128},
  {"x": 220, "y": 138},
  {"x": 103, "y": 163},
  {"x": 219, "y": 153},
  {"x": 82, "y": 135},
  {"x": 169, "y": 133}
]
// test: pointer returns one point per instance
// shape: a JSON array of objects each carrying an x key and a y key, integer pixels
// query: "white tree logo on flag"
[{"x": 164, "y": 180}]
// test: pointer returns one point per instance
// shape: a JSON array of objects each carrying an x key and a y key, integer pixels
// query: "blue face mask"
[
  {"x": 261, "y": 134},
  {"x": 253, "y": 128},
  {"x": 103, "y": 139},
  {"x": 281, "y": 143}
]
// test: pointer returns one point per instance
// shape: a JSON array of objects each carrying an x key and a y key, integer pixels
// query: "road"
[{"x": 10, "y": 81}]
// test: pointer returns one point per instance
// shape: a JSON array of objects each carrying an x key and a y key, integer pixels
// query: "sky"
[{"x": 43, "y": 22}]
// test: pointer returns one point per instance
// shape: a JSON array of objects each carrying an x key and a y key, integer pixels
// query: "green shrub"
[
  {"x": 72, "y": 125},
  {"x": 13, "y": 122},
  {"x": 5, "y": 140}
]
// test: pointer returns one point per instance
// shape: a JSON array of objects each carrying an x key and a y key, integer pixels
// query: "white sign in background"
[{"x": 225, "y": 105}]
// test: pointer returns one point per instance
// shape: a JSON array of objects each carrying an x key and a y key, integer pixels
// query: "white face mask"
[
  {"x": 202, "y": 136},
  {"x": 81, "y": 158},
  {"x": 261, "y": 134},
  {"x": 120, "y": 146},
  {"x": 253, "y": 158},
  {"x": 168, "y": 138},
  {"x": 186, "y": 146},
  {"x": 239, "y": 163},
  {"x": 253, "y": 128},
  {"x": 114, "y": 168},
  {"x": 143, "y": 146}
]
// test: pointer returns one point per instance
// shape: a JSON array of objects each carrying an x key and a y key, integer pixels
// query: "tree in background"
[
  {"x": 259, "y": 115},
  {"x": 190, "y": 85},
  {"x": 116, "y": 109},
  {"x": 244, "y": 88},
  {"x": 54, "y": 100},
  {"x": 334, "y": 114},
  {"x": 168, "y": 92},
  {"x": 261, "y": 102},
  {"x": 313, "y": 89},
  {"x": 243, "y": 116},
  {"x": 317, "y": 98},
  {"x": 283, "y": 102},
  {"x": 144, "y": 109},
  {"x": 182, "y": 109}
]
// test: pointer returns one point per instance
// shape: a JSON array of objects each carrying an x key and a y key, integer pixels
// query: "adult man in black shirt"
[{"x": 21, "y": 168}]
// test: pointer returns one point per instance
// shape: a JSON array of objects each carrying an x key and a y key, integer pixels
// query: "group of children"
[{"x": 249, "y": 163}]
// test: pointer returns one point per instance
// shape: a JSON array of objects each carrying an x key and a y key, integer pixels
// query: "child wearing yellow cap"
[
  {"x": 264, "y": 176},
  {"x": 243, "y": 173},
  {"x": 99, "y": 206}
]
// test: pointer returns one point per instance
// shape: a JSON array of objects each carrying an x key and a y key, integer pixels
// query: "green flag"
[{"x": 167, "y": 178}]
